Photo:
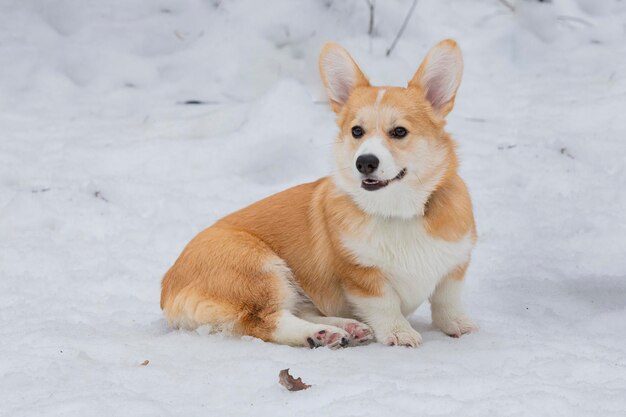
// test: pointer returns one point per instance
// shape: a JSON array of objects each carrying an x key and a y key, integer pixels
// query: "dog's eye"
[
  {"x": 357, "y": 132},
  {"x": 398, "y": 132}
]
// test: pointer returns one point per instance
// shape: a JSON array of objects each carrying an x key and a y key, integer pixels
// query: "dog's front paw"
[
  {"x": 403, "y": 337},
  {"x": 454, "y": 326}
]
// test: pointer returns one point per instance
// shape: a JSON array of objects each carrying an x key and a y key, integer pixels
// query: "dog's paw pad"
[
  {"x": 360, "y": 333},
  {"x": 333, "y": 338}
]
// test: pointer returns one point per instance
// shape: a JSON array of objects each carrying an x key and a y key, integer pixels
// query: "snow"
[{"x": 105, "y": 176}]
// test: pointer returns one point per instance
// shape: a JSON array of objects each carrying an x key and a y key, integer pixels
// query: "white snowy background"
[{"x": 105, "y": 175}]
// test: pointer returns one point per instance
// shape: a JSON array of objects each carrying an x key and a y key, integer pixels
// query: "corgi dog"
[{"x": 344, "y": 260}]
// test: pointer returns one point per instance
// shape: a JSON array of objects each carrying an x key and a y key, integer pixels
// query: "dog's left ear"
[
  {"x": 439, "y": 76},
  {"x": 340, "y": 74}
]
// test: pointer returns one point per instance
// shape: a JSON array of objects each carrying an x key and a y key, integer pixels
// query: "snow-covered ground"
[{"x": 105, "y": 175}]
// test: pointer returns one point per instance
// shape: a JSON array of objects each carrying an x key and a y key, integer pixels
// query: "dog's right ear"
[{"x": 340, "y": 74}]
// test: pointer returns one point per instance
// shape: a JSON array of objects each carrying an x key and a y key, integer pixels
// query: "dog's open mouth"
[{"x": 372, "y": 184}]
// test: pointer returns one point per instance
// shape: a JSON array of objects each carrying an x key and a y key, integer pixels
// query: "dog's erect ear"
[
  {"x": 340, "y": 74},
  {"x": 440, "y": 75}
]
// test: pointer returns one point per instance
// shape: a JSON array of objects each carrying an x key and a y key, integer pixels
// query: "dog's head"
[{"x": 392, "y": 151}]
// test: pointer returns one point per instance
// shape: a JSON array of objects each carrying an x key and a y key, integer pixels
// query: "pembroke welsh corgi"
[{"x": 345, "y": 259}]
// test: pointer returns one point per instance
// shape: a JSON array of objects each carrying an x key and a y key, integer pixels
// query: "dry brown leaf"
[
  {"x": 289, "y": 382},
  {"x": 144, "y": 363}
]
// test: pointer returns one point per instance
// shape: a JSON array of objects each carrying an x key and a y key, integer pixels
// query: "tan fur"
[
  {"x": 244, "y": 270},
  {"x": 449, "y": 213},
  {"x": 218, "y": 277},
  {"x": 459, "y": 272}
]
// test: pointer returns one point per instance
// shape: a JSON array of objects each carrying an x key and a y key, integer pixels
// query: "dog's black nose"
[{"x": 366, "y": 164}]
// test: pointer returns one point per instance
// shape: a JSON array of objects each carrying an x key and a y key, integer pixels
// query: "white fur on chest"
[{"x": 413, "y": 261}]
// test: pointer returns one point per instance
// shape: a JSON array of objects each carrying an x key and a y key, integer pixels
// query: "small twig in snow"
[
  {"x": 406, "y": 21},
  {"x": 372, "y": 5},
  {"x": 194, "y": 102},
  {"x": 99, "y": 195},
  {"x": 582, "y": 21},
  {"x": 508, "y": 5},
  {"x": 476, "y": 119},
  {"x": 565, "y": 152}
]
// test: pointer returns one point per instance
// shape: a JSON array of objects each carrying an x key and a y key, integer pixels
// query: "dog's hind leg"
[
  {"x": 233, "y": 281},
  {"x": 281, "y": 325},
  {"x": 294, "y": 331}
]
